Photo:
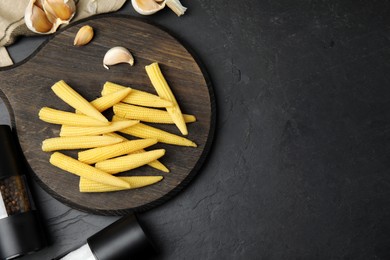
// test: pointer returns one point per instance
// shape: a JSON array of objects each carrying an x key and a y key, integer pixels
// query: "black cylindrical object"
[
  {"x": 124, "y": 239},
  {"x": 20, "y": 228}
]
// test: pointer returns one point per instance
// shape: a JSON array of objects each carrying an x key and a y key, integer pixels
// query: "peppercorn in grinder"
[{"x": 20, "y": 229}]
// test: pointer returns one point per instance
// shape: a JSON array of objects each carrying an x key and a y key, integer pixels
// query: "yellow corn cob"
[
  {"x": 75, "y": 100},
  {"x": 155, "y": 164},
  {"x": 77, "y": 142},
  {"x": 136, "y": 97},
  {"x": 55, "y": 116},
  {"x": 103, "y": 153},
  {"x": 164, "y": 91},
  {"x": 67, "y": 130},
  {"x": 144, "y": 131},
  {"x": 116, "y": 135},
  {"x": 71, "y": 165},
  {"x": 86, "y": 185},
  {"x": 128, "y": 162},
  {"x": 158, "y": 165},
  {"x": 147, "y": 114},
  {"x": 105, "y": 102}
]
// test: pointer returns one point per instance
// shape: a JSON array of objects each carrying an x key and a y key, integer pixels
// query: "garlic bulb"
[
  {"x": 148, "y": 7},
  {"x": 37, "y": 20},
  {"x": 117, "y": 55},
  {"x": 45, "y": 16}
]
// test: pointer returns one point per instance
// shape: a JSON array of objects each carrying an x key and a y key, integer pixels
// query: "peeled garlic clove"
[
  {"x": 35, "y": 18},
  {"x": 117, "y": 55},
  {"x": 83, "y": 36},
  {"x": 176, "y": 6},
  {"x": 59, "y": 11},
  {"x": 147, "y": 7}
]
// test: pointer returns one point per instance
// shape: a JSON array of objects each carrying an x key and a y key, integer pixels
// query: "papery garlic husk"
[
  {"x": 147, "y": 7},
  {"x": 45, "y": 16},
  {"x": 176, "y": 6},
  {"x": 117, "y": 55},
  {"x": 83, "y": 36}
]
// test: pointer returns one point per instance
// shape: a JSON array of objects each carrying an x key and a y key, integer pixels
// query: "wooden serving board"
[{"x": 27, "y": 88}]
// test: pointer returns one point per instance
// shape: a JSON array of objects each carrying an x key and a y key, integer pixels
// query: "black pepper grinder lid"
[
  {"x": 123, "y": 240},
  {"x": 9, "y": 160}
]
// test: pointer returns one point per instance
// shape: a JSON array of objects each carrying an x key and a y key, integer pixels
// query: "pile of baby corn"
[{"x": 104, "y": 152}]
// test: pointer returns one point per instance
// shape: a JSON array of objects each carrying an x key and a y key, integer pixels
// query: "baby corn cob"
[
  {"x": 77, "y": 142},
  {"x": 55, "y": 116},
  {"x": 155, "y": 164},
  {"x": 117, "y": 135},
  {"x": 147, "y": 114},
  {"x": 103, "y": 153},
  {"x": 105, "y": 102},
  {"x": 136, "y": 97},
  {"x": 158, "y": 166},
  {"x": 128, "y": 162},
  {"x": 144, "y": 131},
  {"x": 71, "y": 165},
  {"x": 67, "y": 130},
  {"x": 86, "y": 185},
  {"x": 164, "y": 91},
  {"x": 75, "y": 100}
]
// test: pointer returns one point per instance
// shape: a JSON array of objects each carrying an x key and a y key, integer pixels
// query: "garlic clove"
[
  {"x": 83, "y": 36},
  {"x": 147, "y": 7},
  {"x": 36, "y": 19},
  {"x": 176, "y": 6},
  {"x": 117, "y": 55},
  {"x": 39, "y": 3},
  {"x": 59, "y": 11}
]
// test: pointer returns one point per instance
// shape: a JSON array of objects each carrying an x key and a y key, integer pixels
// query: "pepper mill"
[
  {"x": 21, "y": 232},
  {"x": 125, "y": 239}
]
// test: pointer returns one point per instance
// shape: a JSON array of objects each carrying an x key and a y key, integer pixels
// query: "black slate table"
[{"x": 300, "y": 164}]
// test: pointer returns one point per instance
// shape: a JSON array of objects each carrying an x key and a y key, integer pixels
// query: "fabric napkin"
[{"x": 12, "y": 20}]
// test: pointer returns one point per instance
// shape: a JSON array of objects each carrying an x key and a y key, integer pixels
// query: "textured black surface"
[{"x": 300, "y": 164}]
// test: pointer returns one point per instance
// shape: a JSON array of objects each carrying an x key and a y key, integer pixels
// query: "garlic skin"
[
  {"x": 117, "y": 55},
  {"x": 147, "y": 7},
  {"x": 83, "y": 36},
  {"x": 176, "y": 7},
  {"x": 45, "y": 16}
]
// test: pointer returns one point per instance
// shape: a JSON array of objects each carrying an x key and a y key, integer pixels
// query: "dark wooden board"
[{"x": 26, "y": 88}]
